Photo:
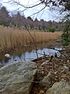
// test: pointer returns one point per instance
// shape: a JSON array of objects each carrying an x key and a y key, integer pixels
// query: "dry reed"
[{"x": 12, "y": 38}]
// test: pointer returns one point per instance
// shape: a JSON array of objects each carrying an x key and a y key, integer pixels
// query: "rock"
[
  {"x": 46, "y": 62},
  {"x": 41, "y": 92},
  {"x": 46, "y": 81},
  {"x": 66, "y": 68},
  {"x": 7, "y": 55},
  {"x": 68, "y": 61},
  {"x": 17, "y": 78},
  {"x": 61, "y": 87}
]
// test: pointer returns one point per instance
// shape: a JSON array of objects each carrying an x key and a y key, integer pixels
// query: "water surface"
[{"x": 29, "y": 56}]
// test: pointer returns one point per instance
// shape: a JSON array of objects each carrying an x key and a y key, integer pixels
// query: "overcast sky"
[{"x": 46, "y": 14}]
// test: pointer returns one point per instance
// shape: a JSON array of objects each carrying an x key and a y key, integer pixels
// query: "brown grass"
[{"x": 12, "y": 38}]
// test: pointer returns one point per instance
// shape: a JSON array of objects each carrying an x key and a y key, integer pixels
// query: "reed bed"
[{"x": 13, "y": 38}]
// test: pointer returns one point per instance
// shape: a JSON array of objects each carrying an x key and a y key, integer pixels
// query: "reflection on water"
[{"x": 28, "y": 56}]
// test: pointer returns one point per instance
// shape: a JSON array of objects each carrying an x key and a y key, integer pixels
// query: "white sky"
[{"x": 46, "y": 14}]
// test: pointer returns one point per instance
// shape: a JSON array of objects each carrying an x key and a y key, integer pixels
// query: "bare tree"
[{"x": 4, "y": 16}]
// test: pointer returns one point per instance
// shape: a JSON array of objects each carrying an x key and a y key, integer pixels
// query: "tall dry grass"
[{"x": 12, "y": 38}]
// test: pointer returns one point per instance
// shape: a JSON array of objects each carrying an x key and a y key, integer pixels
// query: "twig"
[
  {"x": 38, "y": 11},
  {"x": 26, "y": 6}
]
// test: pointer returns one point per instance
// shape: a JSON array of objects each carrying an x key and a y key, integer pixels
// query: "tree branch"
[
  {"x": 18, "y": 3},
  {"x": 38, "y": 11}
]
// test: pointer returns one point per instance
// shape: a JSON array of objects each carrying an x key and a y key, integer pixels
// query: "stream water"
[{"x": 28, "y": 56}]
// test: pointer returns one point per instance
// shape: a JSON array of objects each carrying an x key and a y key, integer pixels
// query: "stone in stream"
[
  {"x": 61, "y": 87},
  {"x": 7, "y": 57},
  {"x": 17, "y": 78}
]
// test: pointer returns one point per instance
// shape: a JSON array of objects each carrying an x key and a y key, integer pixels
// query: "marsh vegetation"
[{"x": 12, "y": 39}]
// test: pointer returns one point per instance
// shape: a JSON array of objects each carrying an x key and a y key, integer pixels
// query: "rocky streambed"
[{"x": 44, "y": 76}]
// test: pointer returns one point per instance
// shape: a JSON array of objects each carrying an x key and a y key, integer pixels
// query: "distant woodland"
[{"x": 20, "y": 21}]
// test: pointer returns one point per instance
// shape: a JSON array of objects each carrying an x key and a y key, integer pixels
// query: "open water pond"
[{"x": 29, "y": 56}]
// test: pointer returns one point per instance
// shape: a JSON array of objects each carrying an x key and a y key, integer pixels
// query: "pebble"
[
  {"x": 68, "y": 61},
  {"x": 65, "y": 67},
  {"x": 41, "y": 92},
  {"x": 44, "y": 63}
]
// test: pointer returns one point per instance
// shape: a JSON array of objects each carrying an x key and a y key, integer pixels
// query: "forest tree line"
[{"x": 19, "y": 21}]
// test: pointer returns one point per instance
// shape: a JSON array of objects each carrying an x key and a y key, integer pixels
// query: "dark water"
[{"x": 28, "y": 56}]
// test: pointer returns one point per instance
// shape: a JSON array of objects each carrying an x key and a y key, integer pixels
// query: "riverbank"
[
  {"x": 39, "y": 77},
  {"x": 50, "y": 72}
]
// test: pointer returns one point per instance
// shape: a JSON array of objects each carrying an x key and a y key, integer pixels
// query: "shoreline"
[{"x": 22, "y": 50}]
